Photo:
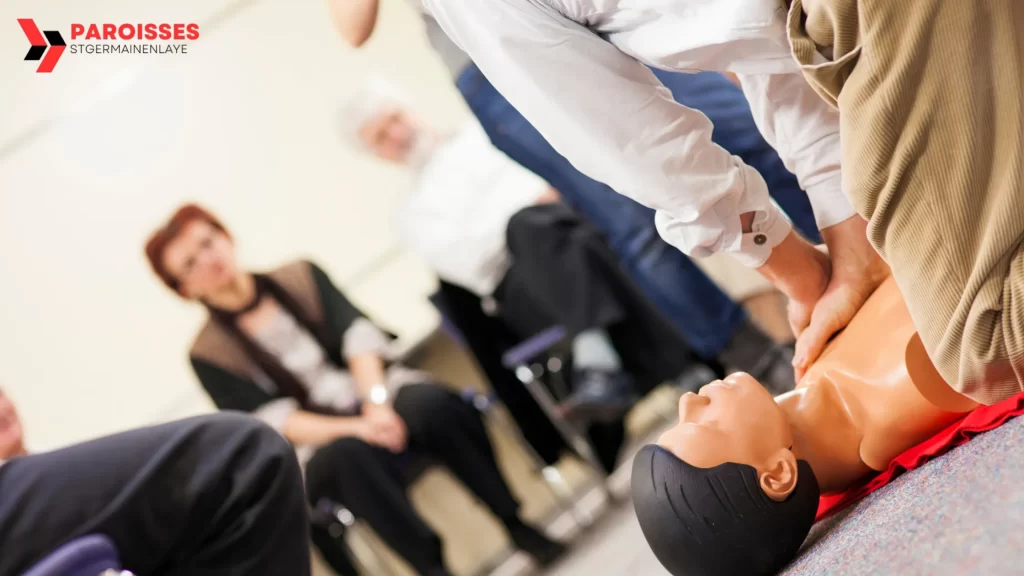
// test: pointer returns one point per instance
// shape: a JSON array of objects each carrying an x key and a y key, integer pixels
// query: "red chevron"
[
  {"x": 53, "y": 54},
  {"x": 36, "y": 39}
]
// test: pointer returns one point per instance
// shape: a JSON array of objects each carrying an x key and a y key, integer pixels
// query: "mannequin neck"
[{"x": 826, "y": 434}]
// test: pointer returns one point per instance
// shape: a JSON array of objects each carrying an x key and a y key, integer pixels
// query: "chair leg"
[
  {"x": 553, "y": 479},
  {"x": 572, "y": 436},
  {"x": 372, "y": 548},
  {"x": 344, "y": 523}
]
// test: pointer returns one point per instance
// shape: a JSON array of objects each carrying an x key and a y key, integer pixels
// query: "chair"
[
  {"x": 93, "y": 555},
  {"x": 538, "y": 364},
  {"x": 533, "y": 347}
]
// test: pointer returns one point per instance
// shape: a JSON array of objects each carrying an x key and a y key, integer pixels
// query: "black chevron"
[
  {"x": 54, "y": 38},
  {"x": 35, "y": 53}
]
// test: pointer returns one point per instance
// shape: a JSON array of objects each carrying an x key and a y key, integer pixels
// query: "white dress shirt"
[
  {"x": 573, "y": 69},
  {"x": 456, "y": 215}
]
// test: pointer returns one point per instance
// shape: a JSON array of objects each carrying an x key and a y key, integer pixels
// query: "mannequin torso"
[
  {"x": 734, "y": 487},
  {"x": 859, "y": 406}
]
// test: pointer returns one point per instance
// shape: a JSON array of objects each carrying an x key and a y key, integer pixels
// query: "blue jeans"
[{"x": 689, "y": 300}]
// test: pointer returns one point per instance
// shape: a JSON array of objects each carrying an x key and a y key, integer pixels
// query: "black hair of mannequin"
[{"x": 718, "y": 521}]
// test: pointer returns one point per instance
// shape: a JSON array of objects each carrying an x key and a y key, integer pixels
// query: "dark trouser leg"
[
  {"x": 488, "y": 338},
  {"x": 213, "y": 495},
  {"x": 607, "y": 439},
  {"x": 367, "y": 480},
  {"x": 334, "y": 552},
  {"x": 442, "y": 425}
]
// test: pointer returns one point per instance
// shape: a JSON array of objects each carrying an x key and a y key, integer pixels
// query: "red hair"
[{"x": 159, "y": 240}]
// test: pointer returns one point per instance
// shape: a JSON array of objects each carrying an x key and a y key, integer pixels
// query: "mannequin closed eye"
[{"x": 735, "y": 420}]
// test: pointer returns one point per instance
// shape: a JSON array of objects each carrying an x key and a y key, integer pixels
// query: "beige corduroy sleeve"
[{"x": 931, "y": 99}]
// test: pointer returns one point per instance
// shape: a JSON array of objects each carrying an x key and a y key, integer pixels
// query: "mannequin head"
[{"x": 722, "y": 493}]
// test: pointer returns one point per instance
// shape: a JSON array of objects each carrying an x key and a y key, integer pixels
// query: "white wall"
[{"x": 95, "y": 155}]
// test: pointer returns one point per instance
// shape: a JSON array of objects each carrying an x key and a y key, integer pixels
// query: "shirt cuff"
[
  {"x": 710, "y": 234},
  {"x": 362, "y": 337},
  {"x": 276, "y": 412},
  {"x": 769, "y": 229},
  {"x": 829, "y": 203}
]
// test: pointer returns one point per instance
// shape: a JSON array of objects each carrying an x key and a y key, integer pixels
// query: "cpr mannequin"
[{"x": 733, "y": 488}]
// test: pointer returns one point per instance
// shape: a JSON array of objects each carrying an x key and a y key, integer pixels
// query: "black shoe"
[
  {"x": 753, "y": 352},
  {"x": 694, "y": 376},
  {"x": 778, "y": 376},
  {"x": 542, "y": 549},
  {"x": 599, "y": 396}
]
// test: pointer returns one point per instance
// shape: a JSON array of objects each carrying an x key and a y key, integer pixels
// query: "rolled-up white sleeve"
[
  {"x": 611, "y": 117},
  {"x": 804, "y": 130}
]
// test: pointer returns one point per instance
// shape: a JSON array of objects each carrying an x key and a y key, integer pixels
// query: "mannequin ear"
[{"x": 779, "y": 479}]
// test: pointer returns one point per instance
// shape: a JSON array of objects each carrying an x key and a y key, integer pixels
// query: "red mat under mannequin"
[{"x": 980, "y": 420}]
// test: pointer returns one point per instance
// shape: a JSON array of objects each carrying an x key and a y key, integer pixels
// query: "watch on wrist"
[{"x": 378, "y": 394}]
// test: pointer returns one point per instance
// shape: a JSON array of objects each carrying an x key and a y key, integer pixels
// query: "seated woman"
[
  {"x": 481, "y": 221},
  {"x": 734, "y": 487},
  {"x": 289, "y": 348},
  {"x": 235, "y": 506}
]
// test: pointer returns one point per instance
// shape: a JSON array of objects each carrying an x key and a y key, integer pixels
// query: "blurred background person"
[
  {"x": 456, "y": 217},
  {"x": 12, "y": 436},
  {"x": 717, "y": 328},
  {"x": 212, "y": 494},
  {"x": 486, "y": 224},
  {"x": 289, "y": 348}
]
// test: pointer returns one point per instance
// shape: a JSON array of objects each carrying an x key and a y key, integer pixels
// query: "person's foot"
[
  {"x": 694, "y": 376},
  {"x": 542, "y": 549},
  {"x": 753, "y": 352},
  {"x": 599, "y": 396},
  {"x": 777, "y": 374}
]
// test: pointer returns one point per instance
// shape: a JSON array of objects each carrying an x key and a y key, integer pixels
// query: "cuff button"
[{"x": 760, "y": 239}]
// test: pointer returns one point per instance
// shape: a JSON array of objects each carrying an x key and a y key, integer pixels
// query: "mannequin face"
[{"x": 735, "y": 420}]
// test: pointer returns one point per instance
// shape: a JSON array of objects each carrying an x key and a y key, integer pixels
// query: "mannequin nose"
[{"x": 690, "y": 402}]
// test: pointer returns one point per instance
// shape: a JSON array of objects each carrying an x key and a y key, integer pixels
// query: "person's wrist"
[
  {"x": 851, "y": 253},
  {"x": 797, "y": 269},
  {"x": 354, "y": 426},
  {"x": 378, "y": 395}
]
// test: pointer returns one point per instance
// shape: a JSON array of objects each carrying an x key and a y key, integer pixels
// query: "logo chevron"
[{"x": 52, "y": 40}]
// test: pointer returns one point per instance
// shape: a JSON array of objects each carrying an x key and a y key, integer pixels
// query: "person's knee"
[
  {"x": 227, "y": 425},
  {"x": 250, "y": 438},
  {"x": 336, "y": 467},
  {"x": 978, "y": 355},
  {"x": 348, "y": 453},
  {"x": 984, "y": 370},
  {"x": 423, "y": 404}
]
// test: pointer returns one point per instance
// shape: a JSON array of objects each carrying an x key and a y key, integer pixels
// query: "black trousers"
[
  {"x": 488, "y": 338},
  {"x": 371, "y": 482},
  {"x": 213, "y": 495}
]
